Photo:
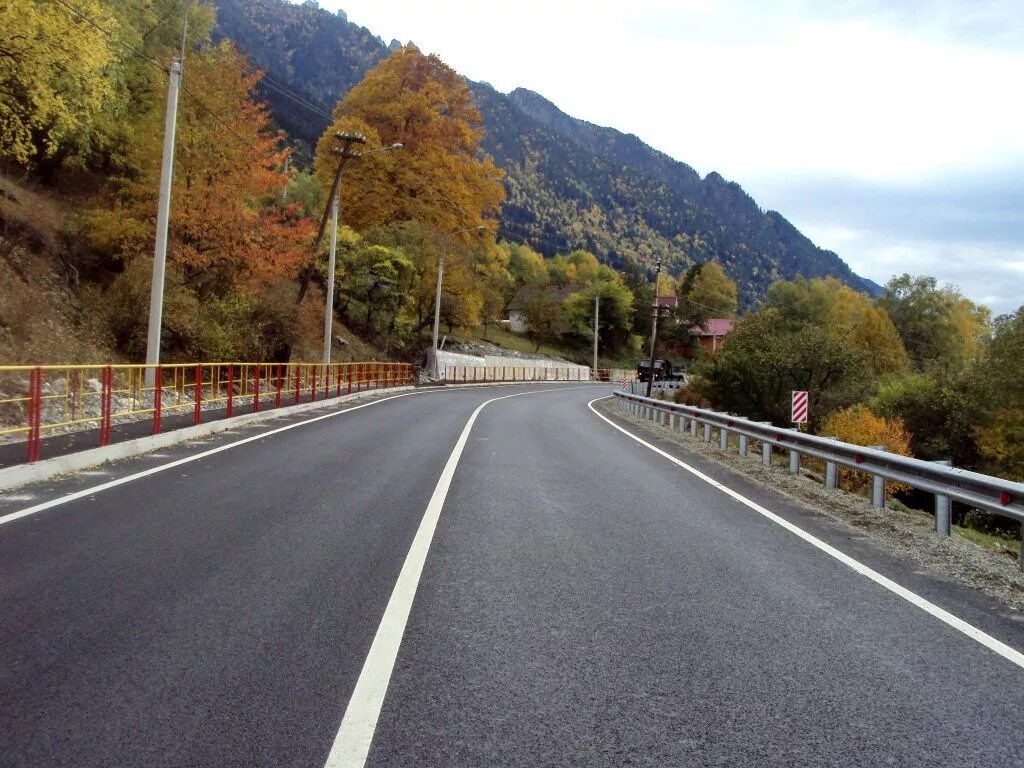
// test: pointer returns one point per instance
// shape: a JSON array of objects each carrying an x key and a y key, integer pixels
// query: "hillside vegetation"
[{"x": 428, "y": 179}]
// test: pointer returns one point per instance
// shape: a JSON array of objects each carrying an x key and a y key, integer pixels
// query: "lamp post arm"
[{"x": 307, "y": 274}]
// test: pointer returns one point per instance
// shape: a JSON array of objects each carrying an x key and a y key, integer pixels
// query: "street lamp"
[
  {"x": 345, "y": 153},
  {"x": 654, "y": 327},
  {"x": 440, "y": 277}
]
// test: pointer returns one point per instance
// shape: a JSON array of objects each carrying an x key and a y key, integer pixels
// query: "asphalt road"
[{"x": 584, "y": 602}]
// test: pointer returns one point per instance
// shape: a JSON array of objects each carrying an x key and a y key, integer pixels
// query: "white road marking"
[
  {"x": 352, "y": 742},
  {"x": 9, "y": 518},
  {"x": 1008, "y": 653},
  {"x": 179, "y": 462}
]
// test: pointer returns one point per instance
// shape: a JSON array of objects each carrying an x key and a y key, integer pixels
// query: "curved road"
[{"x": 582, "y": 601}]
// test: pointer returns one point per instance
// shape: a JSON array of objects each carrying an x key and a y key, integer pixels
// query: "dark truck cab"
[{"x": 662, "y": 370}]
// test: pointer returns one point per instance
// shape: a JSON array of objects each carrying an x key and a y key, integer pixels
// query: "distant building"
[
  {"x": 711, "y": 334},
  {"x": 667, "y": 301},
  {"x": 517, "y": 307}
]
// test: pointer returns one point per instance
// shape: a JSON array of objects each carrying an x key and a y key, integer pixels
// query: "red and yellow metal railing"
[{"x": 38, "y": 401}]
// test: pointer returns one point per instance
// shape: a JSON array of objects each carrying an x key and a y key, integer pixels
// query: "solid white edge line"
[
  {"x": 179, "y": 462},
  {"x": 1004, "y": 650},
  {"x": 355, "y": 734}
]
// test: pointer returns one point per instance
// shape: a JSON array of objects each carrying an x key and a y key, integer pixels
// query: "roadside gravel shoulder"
[{"x": 905, "y": 534}]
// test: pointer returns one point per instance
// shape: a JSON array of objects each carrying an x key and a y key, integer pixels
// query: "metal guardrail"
[
  {"x": 37, "y": 401},
  {"x": 992, "y": 494}
]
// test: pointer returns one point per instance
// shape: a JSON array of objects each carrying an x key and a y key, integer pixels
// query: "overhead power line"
[{"x": 269, "y": 82}]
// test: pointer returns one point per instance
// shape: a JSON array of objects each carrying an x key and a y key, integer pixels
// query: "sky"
[{"x": 891, "y": 132}]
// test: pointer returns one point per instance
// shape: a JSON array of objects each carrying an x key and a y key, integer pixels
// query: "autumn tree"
[
  {"x": 379, "y": 278},
  {"x": 494, "y": 281},
  {"x": 1001, "y": 385},
  {"x": 939, "y": 326},
  {"x": 849, "y": 317},
  {"x": 614, "y": 319},
  {"x": 578, "y": 268},
  {"x": 526, "y": 266},
  {"x": 860, "y": 426},
  {"x": 74, "y": 80},
  {"x": 545, "y": 318},
  {"x": 57, "y": 75},
  {"x": 229, "y": 232},
  {"x": 439, "y": 178},
  {"x": 705, "y": 292},
  {"x": 766, "y": 358}
]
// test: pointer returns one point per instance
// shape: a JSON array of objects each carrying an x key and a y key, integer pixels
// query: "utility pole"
[
  {"x": 654, "y": 329},
  {"x": 329, "y": 304},
  {"x": 163, "y": 211},
  {"x": 345, "y": 154},
  {"x": 163, "y": 215},
  {"x": 597, "y": 310}
]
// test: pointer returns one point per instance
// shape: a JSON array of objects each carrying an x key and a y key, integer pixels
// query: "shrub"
[{"x": 860, "y": 426}]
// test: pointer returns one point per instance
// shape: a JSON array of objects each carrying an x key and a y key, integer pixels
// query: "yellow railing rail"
[{"x": 50, "y": 399}]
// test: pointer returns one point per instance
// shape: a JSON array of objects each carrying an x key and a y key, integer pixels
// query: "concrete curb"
[{"x": 11, "y": 477}]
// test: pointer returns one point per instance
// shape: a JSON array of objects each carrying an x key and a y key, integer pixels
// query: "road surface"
[{"x": 566, "y": 597}]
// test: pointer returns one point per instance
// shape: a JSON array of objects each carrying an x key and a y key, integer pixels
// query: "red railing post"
[
  {"x": 280, "y": 381},
  {"x": 35, "y": 397},
  {"x": 197, "y": 416},
  {"x": 337, "y": 391},
  {"x": 231, "y": 390},
  {"x": 312, "y": 384},
  {"x": 298, "y": 383},
  {"x": 158, "y": 398},
  {"x": 348, "y": 375},
  {"x": 106, "y": 398}
]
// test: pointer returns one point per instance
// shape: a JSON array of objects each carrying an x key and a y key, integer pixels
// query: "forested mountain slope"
[{"x": 570, "y": 184}]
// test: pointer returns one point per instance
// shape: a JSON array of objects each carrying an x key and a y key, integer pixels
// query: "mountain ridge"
[{"x": 570, "y": 184}]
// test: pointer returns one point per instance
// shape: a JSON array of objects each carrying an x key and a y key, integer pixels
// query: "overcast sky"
[{"x": 890, "y": 132}]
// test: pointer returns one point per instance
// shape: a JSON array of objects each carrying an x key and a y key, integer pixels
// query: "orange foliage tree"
[
  {"x": 439, "y": 177},
  {"x": 227, "y": 231}
]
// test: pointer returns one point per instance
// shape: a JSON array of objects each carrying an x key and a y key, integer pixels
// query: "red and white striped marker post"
[{"x": 800, "y": 407}]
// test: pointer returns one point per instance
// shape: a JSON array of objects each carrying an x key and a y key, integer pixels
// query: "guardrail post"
[
  {"x": 831, "y": 472},
  {"x": 707, "y": 433},
  {"x": 298, "y": 377},
  {"x": 794, "y": 457},
  {"x": 693, "y": 427},
  {"x": 231, "y": 389},
  {"x": 280, "y": 381},
  {"x": 723, "y": 439},
  {"x": 942, "y": 507},
  {"x": 766, "y": 449},
  {"x": 743, "y": 445},
  {"x": 672, "y": 419},
  {"x": 877, "y": 485}
]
